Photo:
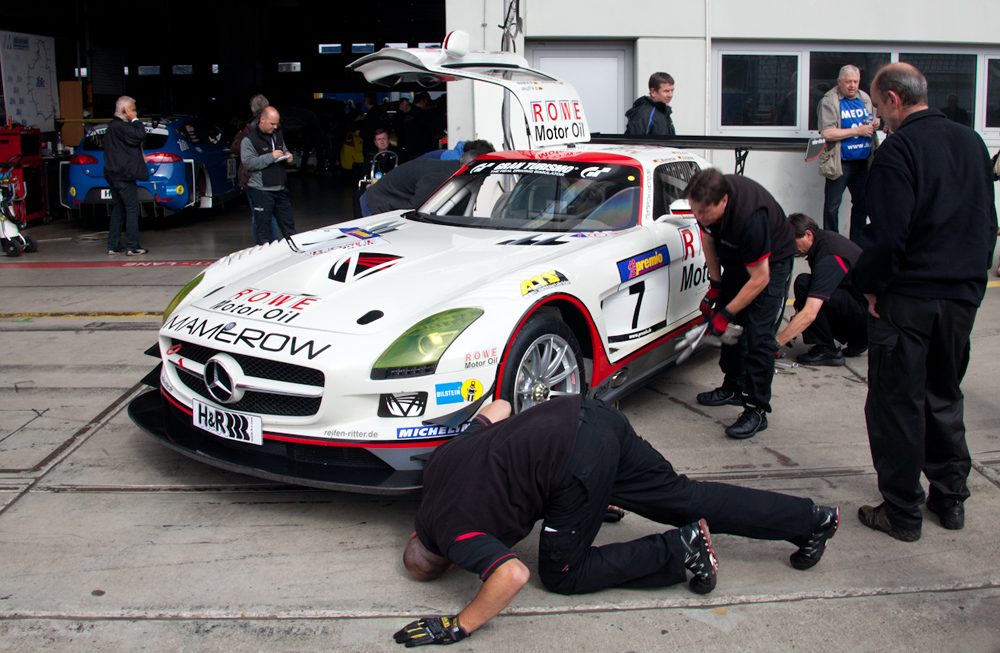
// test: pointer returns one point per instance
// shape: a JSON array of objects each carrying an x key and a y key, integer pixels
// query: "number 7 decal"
[{"x": 637, "y": 289}]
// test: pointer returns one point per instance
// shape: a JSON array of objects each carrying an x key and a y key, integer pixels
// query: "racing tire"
[
  {"x": 30, "y": 244},
  {"x": 544, "y": 360},
  {"x": 12, "y": 248}
]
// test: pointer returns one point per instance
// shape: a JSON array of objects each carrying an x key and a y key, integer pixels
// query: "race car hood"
[{"x": 388, "y": 275}]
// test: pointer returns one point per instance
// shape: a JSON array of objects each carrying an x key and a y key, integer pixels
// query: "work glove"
[
  {"x": 711, "y": 298},
  {"x": 720, "y": 321},
  {"x": 431, "y": 630}
]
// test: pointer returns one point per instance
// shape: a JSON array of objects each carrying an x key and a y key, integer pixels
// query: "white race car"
[{"x": 337, "y": 358}]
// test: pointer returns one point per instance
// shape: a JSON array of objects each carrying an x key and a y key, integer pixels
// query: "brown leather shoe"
[{"x": 874, "y": 517}]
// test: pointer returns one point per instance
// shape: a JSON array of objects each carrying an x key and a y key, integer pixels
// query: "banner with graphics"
[{"x": 30, "y": 85}]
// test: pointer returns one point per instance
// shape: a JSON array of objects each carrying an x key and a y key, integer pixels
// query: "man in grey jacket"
[
  {"x": 264, "y": 156},
  {"x": 847, "y": 122}
]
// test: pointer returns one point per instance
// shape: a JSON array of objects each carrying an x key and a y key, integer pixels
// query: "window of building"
[
  {"x": 759, "y": 90},
  {"x": 824, "y": 69},
  {"x": 951, "y": 83},
  {"x": 993, "y": 93}
]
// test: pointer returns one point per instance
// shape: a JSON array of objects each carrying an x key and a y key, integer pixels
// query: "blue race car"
[{"x": 188, "y": 166}]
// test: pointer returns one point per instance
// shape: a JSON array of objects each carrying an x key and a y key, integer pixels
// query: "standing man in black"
[
  {"x": 749, "y": 246},
  {"x": 264, "y": 156},
  {"x": 932, "y": 232},
  {"x": 828, "y": 308},
  {"x": 650, "y": 114},
  {"x": 563, "y": 461},
  {"x": 124, "y": 164}
]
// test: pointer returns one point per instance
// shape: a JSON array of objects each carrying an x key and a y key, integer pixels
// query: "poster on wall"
[{"x": 30, "y": 85}]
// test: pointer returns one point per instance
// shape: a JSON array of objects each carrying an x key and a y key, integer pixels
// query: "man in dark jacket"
[
  {"x": 930, "y": 244},
  {"x": 828, "y": 307},
  {"x": 563, "y": 461},
  {"x": 124, "y": 164},
  {"x": 408, "y": 185},
  {"x": 749, "y": 246},
  {"x": 257, "y": 105},
  {"x": 264, "y": 155},
  {"x": 651, "y": 113}
]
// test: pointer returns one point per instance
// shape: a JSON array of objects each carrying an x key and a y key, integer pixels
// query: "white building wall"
[{"x": 674, "y": 37}]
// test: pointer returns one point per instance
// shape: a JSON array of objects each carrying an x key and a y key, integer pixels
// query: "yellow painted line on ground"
[{"x": 110, "y": 314}]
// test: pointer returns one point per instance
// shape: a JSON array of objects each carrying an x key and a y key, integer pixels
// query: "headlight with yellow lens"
[
  {"x": 185, "y": 291},
  {"x": 418, "y": 350}
]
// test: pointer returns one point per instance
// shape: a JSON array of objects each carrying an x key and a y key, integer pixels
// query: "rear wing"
[{"x": 741, "y": 145}]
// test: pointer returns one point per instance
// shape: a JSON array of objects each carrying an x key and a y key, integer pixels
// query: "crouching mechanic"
[
  {"x": 563, "y": 461},
  {"x": 828, "y": 306},
  {"x": 749, "y": 246}
]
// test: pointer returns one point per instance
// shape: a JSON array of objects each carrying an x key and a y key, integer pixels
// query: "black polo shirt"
[
  {"x": 485, "y": 489},
  {"x": 753, "y": 227},
  {"x": 831, "y": 259}
]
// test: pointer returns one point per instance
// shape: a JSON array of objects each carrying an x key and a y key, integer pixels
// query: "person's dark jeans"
[
  {"x": 275, "y": 232},
  {"x": 749, "y": 364},
  {"x": 843, "y": 317},
  {"x": 611, "y": 464},
  {"x": 276, "y": 204},
  {"x": 919, "y": 352},
  {"x": 854, "y": 178},
  {"x": 125, "y": 198}
]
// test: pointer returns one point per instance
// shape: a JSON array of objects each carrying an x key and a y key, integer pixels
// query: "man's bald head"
[{"x": 269, "y": 120}]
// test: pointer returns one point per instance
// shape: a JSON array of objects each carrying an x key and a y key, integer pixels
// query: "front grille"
[
  {"x": 262, "y": 368},
  {"x": 262, "y": 403}
]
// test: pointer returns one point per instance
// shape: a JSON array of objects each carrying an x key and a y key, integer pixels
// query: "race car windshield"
[{"x": 538, "y": 196}]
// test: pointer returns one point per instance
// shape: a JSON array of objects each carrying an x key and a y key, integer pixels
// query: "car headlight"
[
  {"x": 185, "y": 291},
  {"x": 418, "y": 350}
]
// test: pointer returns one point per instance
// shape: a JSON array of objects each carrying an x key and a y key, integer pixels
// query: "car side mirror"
[{"x": 678, "y": 209}]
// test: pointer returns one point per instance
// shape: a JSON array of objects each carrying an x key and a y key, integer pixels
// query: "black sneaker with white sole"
[
  {"x": 699, "y": 558},
  {"x": 827, "y": 521}
]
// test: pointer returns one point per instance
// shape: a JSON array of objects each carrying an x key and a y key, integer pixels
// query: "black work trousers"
[
  {"x": 749, "y": 364},
  {"x": 842, "y": 318},
  {"x": 271, "y": 203},
  {"x": 124, "y": 208},
  {"x": 613, "y": 465},
  {"x": 855, "y": 178},
  {"x": 919, "y": 351}
]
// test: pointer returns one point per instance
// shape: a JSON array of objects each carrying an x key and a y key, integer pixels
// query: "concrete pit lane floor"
[{"x": 111, "y": 541}]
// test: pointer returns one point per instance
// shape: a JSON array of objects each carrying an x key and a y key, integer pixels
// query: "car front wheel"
[{"x": 544, "y": 361}]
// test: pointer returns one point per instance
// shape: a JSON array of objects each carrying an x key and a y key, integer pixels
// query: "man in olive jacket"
[
  {"x": 847, "y": 122},
  {"x": 124, "y": 164}
]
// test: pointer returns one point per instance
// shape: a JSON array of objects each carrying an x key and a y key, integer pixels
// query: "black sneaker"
[
  {"x": 747, "y": 424},
  {"x": 820, "y": 355},
  {"x": 952, "y": 513},
  {"x": 874, "y": 517},
  {"x": 853, "y": 350},
  {"x": 699, "y": 558},
  {"x": 827, "y": 521},
  {"x": 136, "y": 252},
  {"x": 721, "y": 396}
]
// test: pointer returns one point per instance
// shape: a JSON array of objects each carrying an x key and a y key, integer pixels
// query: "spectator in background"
[
  {"x": 650, "y": 114},
  {"x": 264, "y": 154},
  {"x": 848, "y": 124},
  {"x": 124, "y": 164},
  {"x": 257, "y": 104}
]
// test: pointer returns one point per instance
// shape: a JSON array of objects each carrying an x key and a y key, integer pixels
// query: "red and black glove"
[
  {"x": 719, "y": 322},
  {"x": 431, "y": 630},
  {"x": 711, "y": 298}
]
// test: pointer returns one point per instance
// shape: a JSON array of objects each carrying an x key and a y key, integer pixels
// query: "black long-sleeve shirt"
[{"x": 933, "y": 218}]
